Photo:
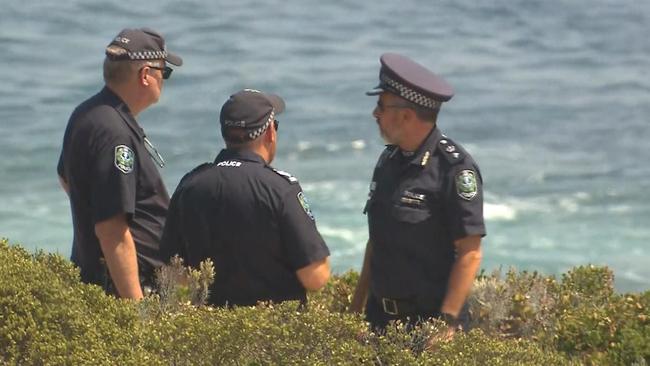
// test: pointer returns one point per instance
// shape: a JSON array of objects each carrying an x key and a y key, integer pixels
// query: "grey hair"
[
  {"x": 118, "y": 70},
  {"x": 425, "y": 114}
]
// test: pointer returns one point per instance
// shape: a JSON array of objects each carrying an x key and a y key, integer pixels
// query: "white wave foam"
[
  {"x": 358, "y": 236},
  {"x": 358, "y": 144},
  {"x": 304, "y": 145},
  {"x": 499, "y": 212},
  {"x": 333, "y": 147}
]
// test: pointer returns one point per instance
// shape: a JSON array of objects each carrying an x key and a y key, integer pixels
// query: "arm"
[
  {"x": 64, "y": 185},
  {"x": 463, "y": 272},
  {"x": 361, "y": 291},
  {"x": 119, "y": 251},
  {"x": 315, "y": 275}
]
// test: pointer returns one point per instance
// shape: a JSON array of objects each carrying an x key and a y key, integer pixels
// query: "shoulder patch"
[
  {"x": 124, "y": 158},
  {"x": 305, "y": 206},
  {"x": 450, "y": 151},
  {"x": 285, "y": 175},
  {"x": 466, "y": 184}
]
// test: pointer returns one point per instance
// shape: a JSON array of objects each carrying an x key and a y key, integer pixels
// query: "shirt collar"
[
  {"x": 426, "y": 149},
  {"x": 247, "y": 155},
  {"x": 122, "y": 108}
]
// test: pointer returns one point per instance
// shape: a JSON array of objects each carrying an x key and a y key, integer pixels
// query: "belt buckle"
[{"x": 390, "y": 306}]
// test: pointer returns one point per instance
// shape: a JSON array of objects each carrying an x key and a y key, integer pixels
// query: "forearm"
[
  {"x": 314, "y": 276},
  {"x": 64, "y": 185},
  {"x": 462, "y": 275},
  {"x": 360, "y": 295},
  {"x": 120, "y": 254}
]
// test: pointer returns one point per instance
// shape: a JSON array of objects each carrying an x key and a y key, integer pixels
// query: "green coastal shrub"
[
  {"x": 598, "y": 325},
  {"x": 581, "y": 315},
  {"x": 48, "y": 317}
]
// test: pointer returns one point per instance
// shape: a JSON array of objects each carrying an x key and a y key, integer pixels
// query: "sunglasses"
[
  {"x": 166, "y": 71},
  {"x": 383, "y": 107},
  {"x": 276, "y": 124}
]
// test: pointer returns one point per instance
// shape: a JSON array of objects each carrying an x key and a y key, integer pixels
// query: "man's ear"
[
  {"x": 142, "y": 75},
  {"x": 406, "y": 115},
  {"x": 270, "y": 133}
]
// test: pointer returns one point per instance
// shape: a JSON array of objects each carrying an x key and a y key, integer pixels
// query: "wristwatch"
[{"x": 450, "y": 320}]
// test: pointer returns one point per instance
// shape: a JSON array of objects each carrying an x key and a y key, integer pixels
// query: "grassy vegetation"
[{"x": 48, "y": 317}]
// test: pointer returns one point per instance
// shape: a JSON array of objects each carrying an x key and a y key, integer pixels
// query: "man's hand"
[{"x": 442, "y": 337}]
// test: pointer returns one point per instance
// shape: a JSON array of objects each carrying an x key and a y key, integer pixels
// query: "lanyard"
[{"x": 153, "y": 152}]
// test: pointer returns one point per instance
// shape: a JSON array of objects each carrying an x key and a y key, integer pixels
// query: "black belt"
[{"x": 398, "y": 307}]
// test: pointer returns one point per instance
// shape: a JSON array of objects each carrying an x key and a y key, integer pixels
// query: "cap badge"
[
  {"x": 124, "y": 158},
  {"x": 122, "y": 40},
  {"x": 466, "y": 185},
  {"x": 234, "y": 123}
]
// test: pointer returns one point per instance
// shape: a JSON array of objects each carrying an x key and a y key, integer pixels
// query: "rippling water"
[{"x": 552, "y": 99}]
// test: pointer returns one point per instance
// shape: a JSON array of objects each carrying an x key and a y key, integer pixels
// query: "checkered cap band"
[
  {"x": 410, "y": 94},
  {"x": 257, "y": 133},
  {"x": 147, "y": 55}
]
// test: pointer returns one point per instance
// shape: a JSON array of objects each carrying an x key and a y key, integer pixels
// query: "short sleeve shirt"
[
  {"x": 418, "y": 205},
  {"x": 109, "y": 172},
  {"x": 252, "y": 220}
]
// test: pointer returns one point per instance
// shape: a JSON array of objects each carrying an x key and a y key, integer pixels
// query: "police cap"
[
  {"x": 251, "y": 110},
  {"x": 407, "y": 79},
  {"x": 142, "y": 44}
]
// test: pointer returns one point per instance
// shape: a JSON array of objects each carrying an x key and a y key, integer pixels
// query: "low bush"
[{"x": 48, "y": 317}]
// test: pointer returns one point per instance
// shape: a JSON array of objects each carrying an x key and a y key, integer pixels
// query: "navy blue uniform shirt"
[
  {"x": 252, "y": 221},
  {"x": 418, "y": 206},
  {"x": 109, "y": 172}
]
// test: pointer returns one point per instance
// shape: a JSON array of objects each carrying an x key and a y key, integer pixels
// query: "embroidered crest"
[
  {"x": 305, "y": 205},
  {"x": 124, "y": 158},
  {"x": 466, "y": 185}
]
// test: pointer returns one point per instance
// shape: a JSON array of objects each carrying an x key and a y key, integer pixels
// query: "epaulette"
[
  {"x": 285, "y": 175},
  {"x": 450, "y": 151},
  {"x": 194, "y": 171},
  {"x": 388, "y": 152}
]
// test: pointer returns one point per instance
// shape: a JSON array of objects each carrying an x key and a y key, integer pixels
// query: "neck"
[
  {"x": 417, "y": 135},
  {"x": 130, "y": 96},
  {"x": 262, "y": 151},
  {"x": 254, "y": 147}
]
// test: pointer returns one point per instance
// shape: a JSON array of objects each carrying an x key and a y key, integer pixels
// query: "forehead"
[{"x": 388, "y": 97}]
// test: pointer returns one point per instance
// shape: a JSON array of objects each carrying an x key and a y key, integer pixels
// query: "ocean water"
[{"x": 552, "y": 100}]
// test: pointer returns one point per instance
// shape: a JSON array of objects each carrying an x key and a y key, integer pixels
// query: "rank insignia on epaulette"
[
  {"x": 286, "y": 176},
  {"x": 425, "y": 158},
  {"x": 451, "y": 152}
]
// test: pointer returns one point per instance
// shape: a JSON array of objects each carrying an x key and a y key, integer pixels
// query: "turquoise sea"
[{"x": 552, "y": 100}]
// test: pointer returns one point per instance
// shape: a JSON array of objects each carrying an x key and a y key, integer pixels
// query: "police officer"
[
  {"x": 425, "y": 206},
  {"x": 251, "y": 219},
  {"x": 108, "y": 168}
]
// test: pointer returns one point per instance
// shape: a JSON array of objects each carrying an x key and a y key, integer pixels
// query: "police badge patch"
[
  {"x": 466, "y": 185},
  {"x": 124, "y": 157},
  {"x": 305, "y": 205}
]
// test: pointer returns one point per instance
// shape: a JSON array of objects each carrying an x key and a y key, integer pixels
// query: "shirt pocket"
[{"x": 411, "y": 214}]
